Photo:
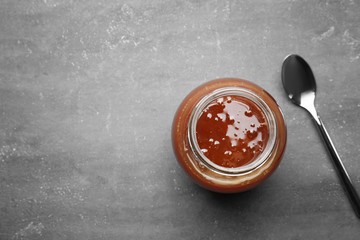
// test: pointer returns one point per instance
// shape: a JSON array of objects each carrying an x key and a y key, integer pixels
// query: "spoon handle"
[{"x": 347, "y": 183}]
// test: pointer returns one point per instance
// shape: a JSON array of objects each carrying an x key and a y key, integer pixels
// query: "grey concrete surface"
[{"x": 88, "y": 90}]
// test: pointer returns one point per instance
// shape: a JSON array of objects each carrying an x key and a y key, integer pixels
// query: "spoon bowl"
[{"x": 297, "y": 78}]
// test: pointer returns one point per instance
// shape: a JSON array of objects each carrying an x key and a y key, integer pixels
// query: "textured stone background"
[{"x": 88, "y": 90}]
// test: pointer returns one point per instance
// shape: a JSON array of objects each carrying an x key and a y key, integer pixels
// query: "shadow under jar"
[{"x": 229, "y": 135}]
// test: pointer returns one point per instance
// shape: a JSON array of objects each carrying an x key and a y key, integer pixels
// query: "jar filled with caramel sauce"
[{"x": 229, "y": 135}]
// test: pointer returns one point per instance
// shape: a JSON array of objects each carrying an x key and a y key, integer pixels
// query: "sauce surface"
[{"x": 232, "y": 131}]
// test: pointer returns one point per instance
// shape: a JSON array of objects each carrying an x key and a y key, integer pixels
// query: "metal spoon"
[{"x": 299, "y": 83}]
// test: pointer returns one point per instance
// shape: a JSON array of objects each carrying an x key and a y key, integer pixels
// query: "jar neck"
[{"x": 232, "y": 91}]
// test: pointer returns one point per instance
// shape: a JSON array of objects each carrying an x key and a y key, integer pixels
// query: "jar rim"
[{"x": 233, "y": 91}]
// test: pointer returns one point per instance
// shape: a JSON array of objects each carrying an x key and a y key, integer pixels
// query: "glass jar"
[{"x": 209, "y": 171}]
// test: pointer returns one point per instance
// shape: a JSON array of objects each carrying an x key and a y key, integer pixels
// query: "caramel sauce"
[{"x": 232, "y": 131}]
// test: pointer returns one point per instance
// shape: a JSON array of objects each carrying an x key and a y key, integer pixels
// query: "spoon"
[{"x": 299, "y": 83}]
